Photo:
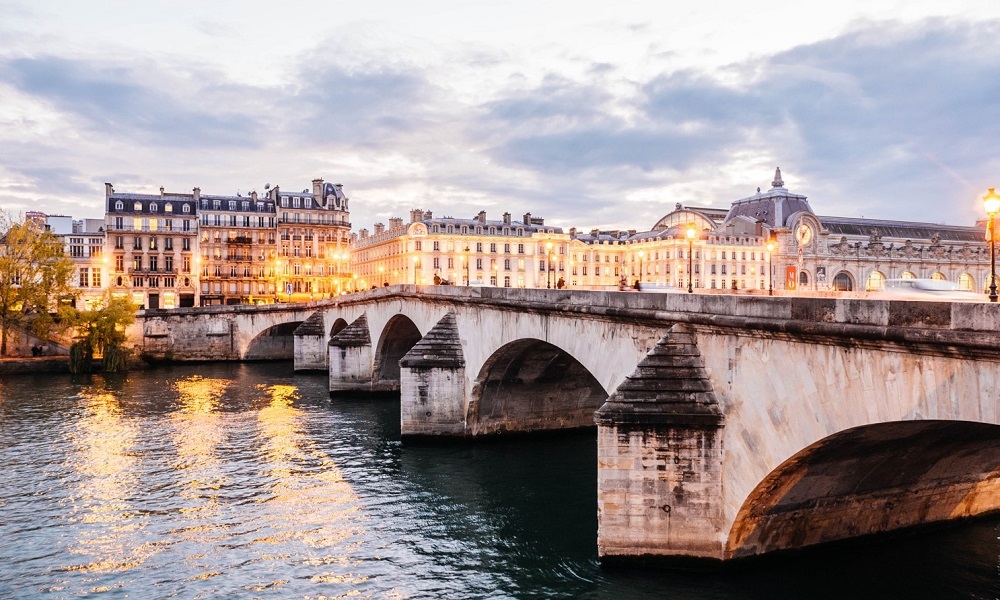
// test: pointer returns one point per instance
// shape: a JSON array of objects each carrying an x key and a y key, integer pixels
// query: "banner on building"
[{"x": 790, "y": 277}]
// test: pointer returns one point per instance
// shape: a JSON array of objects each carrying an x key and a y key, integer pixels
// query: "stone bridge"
[{"x": 728, "y": 426}]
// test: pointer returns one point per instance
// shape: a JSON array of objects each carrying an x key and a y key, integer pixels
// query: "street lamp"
[
  {"x": 468, "y": 259},
  {"x": 381, "y": 270},
  {"x": 991, "y": 202},
  {"x": 416, "y": 267},
  {"x": 548, "y": 267},
  {"x": 690, "y": 234},
  {"x": 770, "y": 268},
  {"x": 641, "y": 254}
]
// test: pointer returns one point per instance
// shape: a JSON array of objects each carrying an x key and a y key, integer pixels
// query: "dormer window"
[
  {"x": 186, "y": 209},
  {"x": 232, "y": 205},
  {"x": 137, "y": 206},
  {"x": 152, "y": 207},
  {"x": 168, "y": 207},
  {"x": 216, "y": 204},
  {"x": 119, "y": 205}
]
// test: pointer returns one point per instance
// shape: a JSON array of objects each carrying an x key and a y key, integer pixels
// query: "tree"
[
  {"x": 101, "y": 331},
  {"x": 34, "y": 273}
]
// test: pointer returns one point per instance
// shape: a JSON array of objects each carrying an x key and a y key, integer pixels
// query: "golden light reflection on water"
[
  {"x": 198, "y": 430},
  {"x": 308, "y": 491},
  {"x": 106, "y": 468}
]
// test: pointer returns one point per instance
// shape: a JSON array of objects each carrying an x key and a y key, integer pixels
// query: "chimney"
[
  {"x": 318, "y": 192},
  {"x": 506, "y": 218},
  {"x": 108, "y": 190},
  {"x": 416, "y": 215},
  {"x": 572, "y": 232},
  {"x": 253, "y": 195},
  {"x": 481, "y": 217},
  {"x": 197, "y": 193},
  {"x": 527, "y": 219},
  {"x": 395, "y": 223},
  {"x": 594, "y": 232},
  {"x": 161, "y": 191},
  {"x": 363, "y": 234},
  {"x": 379, "y": 228},
  {"x": 428, "y": 216}
]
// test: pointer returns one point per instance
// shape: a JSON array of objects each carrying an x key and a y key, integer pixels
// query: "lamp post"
[
  {"x": 991, "y": 202},
  {"x": 641, "y": 253},
  {"x": 416, "y": 267},
  {"x": 548, "y": 266},
  {"x": 770, "y": 268},
  {"x": 690, "y": 234},
  {"x": 381, "y": 270}
]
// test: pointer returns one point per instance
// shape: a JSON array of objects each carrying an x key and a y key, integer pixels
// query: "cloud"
[
  {"x": 121, "y": 101},
  {"x": 863, "y": 117}
]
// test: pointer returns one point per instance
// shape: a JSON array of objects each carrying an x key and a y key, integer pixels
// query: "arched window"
[
  {"x": 803, "y": 279},
  {"x": 842, "y": 282},
  {"x": 876, "y": 282},
  {"x": 119, "y": 205},
  {"x": 187, "y": 209},
  {"x": 907, "y": 275},
  {"x": 152, "y": 207},
  {"x": 965, "y": 282},
  {"x": 939, "y": 276}
]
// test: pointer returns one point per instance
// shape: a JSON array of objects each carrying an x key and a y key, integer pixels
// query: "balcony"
[
  {"x": 241, "y": 239},
  {"x": 148, "y": 271}
]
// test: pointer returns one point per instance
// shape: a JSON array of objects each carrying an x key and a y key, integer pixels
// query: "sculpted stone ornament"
[
  {"x": 875, "y": 246},
  {"x": 843, "y": 247},
  {"x": 908, "y": 250}
]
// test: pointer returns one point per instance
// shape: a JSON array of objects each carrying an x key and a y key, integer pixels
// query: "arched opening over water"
[
  {"x": 398, "y": 337},
  {"x": 872, "y": 479},
  {"x": 274, "y": 343},
  {"x": 531, "y": 385},
  {"x": 337, "y": 326}
]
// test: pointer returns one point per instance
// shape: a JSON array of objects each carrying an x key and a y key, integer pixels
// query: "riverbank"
[{"x": 35, "y": 364}]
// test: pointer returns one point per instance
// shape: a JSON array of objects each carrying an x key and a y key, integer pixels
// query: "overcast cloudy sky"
[{"x": 586, "y": 113}]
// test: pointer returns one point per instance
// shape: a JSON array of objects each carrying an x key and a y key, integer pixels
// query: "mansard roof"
[
  {"x": 773, "y": 207},
  {"x": 473, "y": 222}
]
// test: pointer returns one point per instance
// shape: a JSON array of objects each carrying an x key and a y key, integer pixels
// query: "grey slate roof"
[{"x": 846, "y": 226}]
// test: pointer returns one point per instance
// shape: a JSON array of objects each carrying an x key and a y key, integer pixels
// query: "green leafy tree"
[
  {"x": 101, "y": 331},
  {"x": 34, "y": 274}
]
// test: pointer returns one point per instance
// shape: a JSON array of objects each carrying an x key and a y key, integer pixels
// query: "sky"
[{"x": 588, "y": 114}]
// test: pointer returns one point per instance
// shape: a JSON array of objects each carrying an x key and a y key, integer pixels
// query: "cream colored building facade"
[
  {"x": 476, "y": 251},
  {"x": 770, "y": 242}
]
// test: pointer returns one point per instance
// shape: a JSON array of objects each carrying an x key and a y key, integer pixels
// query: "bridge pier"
[
  {"x": 310, "y": 352},
  {"x": 432, "y": 384},
  {"x": 351, "y": 358},
  {"x": 659, "y": 473}
]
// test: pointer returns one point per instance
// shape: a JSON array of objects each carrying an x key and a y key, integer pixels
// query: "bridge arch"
[
  {"x": 872, "y": 479},
  {"x": 399, "y": 335},
  {"x": 537, "y": 382},
  {"x": 274, "y": 343},
  {"x": 338, "y": 326}
]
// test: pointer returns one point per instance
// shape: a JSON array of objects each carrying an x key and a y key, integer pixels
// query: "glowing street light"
[
  {"x": 690, "y": 236},
  {"x": 548, "y": 267},
  {"x": 991, "y": 202},
  {"x": 641, "y": 254},
  {"x": 770, "y": 268}
]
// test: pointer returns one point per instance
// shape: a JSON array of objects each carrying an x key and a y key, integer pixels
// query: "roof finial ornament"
[{"x": 777, "y": 179}]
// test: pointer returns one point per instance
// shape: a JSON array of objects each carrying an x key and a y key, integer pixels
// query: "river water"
[{"x": 246, "y": 481}]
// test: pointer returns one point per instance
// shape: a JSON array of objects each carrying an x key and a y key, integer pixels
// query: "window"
[
  {"x": 168, "y": 207},
  {"x": 96, "y": 281},
  {"x": 152, "y": 207},
  {"x": 84, "y": 276},
  {"x": 119, "y": 205},
  {"x": 119, "y": 263},
  {"x": 137, "y": 206},
  {"x": 186, "y": 209}
]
